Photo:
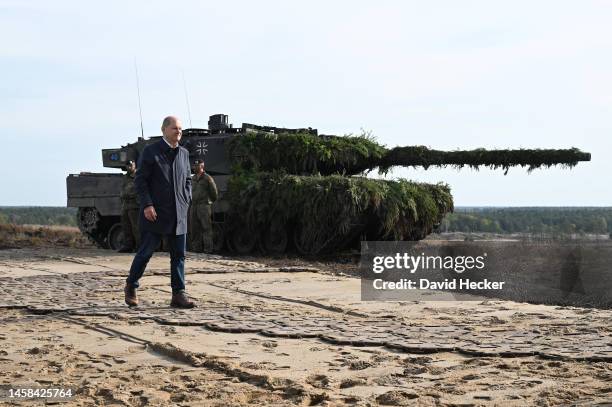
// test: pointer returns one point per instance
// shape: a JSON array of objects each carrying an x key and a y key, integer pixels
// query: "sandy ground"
[{"x": 282, "y": 332}]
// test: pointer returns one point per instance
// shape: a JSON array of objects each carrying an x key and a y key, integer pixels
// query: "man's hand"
[{"x": 150, "y": 214}]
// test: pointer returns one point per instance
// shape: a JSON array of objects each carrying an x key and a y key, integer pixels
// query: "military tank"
[{"x": 295, "y": 189}]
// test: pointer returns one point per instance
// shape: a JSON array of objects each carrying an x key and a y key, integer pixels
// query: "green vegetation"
[
  {"x": 37, "y": 215},
  {"x": 325, "y": 207},
  {"x": 310, "y": 154},
  {"x": 554, "y": 221},
  {"x": 301, "y": 182},
  {"x": 305, "y": 153},
  {"x": 532, "y": 159}
]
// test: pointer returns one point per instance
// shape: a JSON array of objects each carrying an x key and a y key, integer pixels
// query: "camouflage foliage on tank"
[
  {"x": 324, "y": 211},
  {"x": 310, "y": 154},
  {"x": 307, "y": 184},
  {"x": 305, "y": 153},
  {"x": 531, "y": 158}
]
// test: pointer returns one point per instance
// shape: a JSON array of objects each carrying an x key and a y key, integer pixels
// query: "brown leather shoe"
[
  {"x": 180, "y": 300},
  {"x": 131, "y": 298}
]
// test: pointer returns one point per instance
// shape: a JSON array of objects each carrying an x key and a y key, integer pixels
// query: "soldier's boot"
[
  {"x": 131, "y": 299},
  {"x": 180, "y": 300}
]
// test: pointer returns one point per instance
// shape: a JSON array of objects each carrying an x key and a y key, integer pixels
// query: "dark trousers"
[{"x": 149, "y": 242}]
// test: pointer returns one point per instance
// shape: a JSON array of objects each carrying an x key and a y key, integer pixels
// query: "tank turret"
[{"x": 283, "y": 189}]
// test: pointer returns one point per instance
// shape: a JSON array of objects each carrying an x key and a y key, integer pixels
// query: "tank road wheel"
[
  {"x": 274, "y": 239},
  {"x": 115, "y": 237},
  {"x": 218, "y": 237},
  {"x": 243, "y": 241}
]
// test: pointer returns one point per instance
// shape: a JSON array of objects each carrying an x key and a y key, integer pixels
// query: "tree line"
[
  {"x": 546, "y": 220},
  {"x": 37, "y": 215}
]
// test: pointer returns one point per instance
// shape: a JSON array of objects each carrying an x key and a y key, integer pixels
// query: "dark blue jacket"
[{"x": 166, "y": 186}]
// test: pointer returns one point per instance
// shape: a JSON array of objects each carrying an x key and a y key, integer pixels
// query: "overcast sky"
[{"x": 446, "y": 74}]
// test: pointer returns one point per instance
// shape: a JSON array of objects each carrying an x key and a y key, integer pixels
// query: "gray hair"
[{"x": 168, "y": 121}]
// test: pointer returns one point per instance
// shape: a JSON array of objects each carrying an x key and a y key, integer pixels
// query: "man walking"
[
  {"x": 129, "y": 211},
  {"x": 163, "y": 183},
  {"x": 204, "y": 194}
]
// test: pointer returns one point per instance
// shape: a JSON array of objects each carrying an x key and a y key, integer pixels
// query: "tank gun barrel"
[
  {"x": 311, "y": 154},
  {"x": 532, "y": 158}
]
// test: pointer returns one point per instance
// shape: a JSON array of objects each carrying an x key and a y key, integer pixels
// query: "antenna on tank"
[
  {"x": 186, "y": 98},
  {"x": 139, "y": 106}
]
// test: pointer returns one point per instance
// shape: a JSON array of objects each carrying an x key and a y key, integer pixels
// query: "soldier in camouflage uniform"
[
  {"x": 204, "y": 193},
  {"x": 129, "y": 211}
]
